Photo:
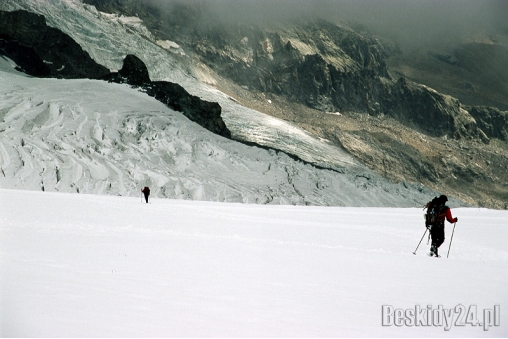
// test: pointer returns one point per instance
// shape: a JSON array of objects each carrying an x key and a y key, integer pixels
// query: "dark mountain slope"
[
  {"x": 41, "y": 50},
  {"x": 476, "y": 73},
  {"x": 44, "y": 51}
]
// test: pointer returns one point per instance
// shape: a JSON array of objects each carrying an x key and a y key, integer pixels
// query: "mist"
[{"x": 411, "y": 23}]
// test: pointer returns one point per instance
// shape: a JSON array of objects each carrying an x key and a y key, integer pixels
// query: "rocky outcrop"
[
  {"x": 26, "y": 58},
  {"x": 205, "y": 113},
  {"x": 43, "y": 51},
  {"x": 133, "y": 72},
  {"x": 438, "y": 115},
  {"x": 40, "y": 50},
  {"x": 432, "y": 112},
  {"x": 491, "y": 121}
]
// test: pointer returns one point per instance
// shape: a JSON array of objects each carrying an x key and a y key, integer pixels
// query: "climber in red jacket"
[{"x": 436, "y": 226}]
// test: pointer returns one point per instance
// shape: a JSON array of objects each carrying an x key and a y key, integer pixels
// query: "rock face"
[
  {"x": 491, "y": 121},
  {"x": 344, "y": 72},
  {"x": 432, "y": 112},
  {"x": 330, "y": 68},
  {"x": 204, "y": 113},
  {"x": 133, "y": 72},
  {"x": 26, "y": 58},
  {"x": 44, "y": 51}
]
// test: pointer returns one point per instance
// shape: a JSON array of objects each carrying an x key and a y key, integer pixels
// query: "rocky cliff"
[{"x": 43, "y": 51}]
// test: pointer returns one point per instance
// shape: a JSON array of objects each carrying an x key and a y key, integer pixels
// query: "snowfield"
[{"x": 89, "y": 265}]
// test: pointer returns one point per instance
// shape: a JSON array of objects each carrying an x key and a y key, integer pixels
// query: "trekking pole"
[
  {"x": 420, "y": 241},
  {"x": 451, "y": 240}
]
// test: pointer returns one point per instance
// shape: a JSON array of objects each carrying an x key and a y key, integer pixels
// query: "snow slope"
[
  {"x": 91, "y": 136},
  {"x": 78, "y": 265}
]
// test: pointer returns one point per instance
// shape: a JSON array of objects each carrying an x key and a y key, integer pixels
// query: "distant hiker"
[
  {"x": 146, "y": 192},
  {"x": 437, "y": 212}
]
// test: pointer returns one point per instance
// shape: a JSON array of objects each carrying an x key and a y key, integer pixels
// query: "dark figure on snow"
[
  {"x": 437, "y": 212},
  {"x": 146, "y": 192}
]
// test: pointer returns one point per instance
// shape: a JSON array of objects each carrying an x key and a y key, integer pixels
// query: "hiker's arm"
[{"x": 449, "y": 216}]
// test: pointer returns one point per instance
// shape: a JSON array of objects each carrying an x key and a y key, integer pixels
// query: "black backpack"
[{"x": 434, "y": 209}]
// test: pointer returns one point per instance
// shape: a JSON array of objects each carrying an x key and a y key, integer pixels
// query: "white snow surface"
[{"x": 77, "y": 265}]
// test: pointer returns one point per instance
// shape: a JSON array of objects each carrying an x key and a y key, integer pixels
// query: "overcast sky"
[{"x": 411, "y": 22}]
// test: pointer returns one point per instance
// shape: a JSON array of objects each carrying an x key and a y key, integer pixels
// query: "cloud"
[
  {"x": 412, "y": 23},
  {"x": 429, "y": 22}
]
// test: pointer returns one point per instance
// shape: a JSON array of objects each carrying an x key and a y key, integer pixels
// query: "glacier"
[
  {"x": 109, "y": 38},
  {"x": 90, "y": 136}
]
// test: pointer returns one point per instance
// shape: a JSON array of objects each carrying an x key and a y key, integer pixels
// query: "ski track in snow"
[{"x": 87, "y": 265}]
